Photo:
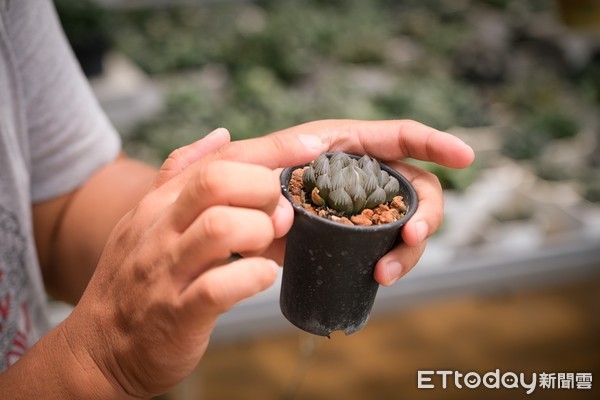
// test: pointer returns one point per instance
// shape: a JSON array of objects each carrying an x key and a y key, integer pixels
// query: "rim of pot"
[{"x": 411, "y": 205}]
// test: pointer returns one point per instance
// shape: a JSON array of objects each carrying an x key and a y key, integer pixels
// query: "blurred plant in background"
[{"x": 259, "y": 66}]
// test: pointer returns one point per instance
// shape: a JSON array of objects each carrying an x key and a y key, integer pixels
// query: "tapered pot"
[{"x": 328, "y": 282}]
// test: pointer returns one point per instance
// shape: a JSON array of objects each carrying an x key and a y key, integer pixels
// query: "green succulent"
[{"x": 348, "y": 185}]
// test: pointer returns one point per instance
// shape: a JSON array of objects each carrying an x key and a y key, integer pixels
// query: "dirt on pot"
[{"x": 382, "y": 214}]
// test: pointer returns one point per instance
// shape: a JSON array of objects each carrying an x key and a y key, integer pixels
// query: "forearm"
[
  {"x": 55, "y": 369},
  {"x": 71, "y": 231}
]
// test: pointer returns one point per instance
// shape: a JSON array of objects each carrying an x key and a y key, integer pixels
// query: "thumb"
[{"x": 182, "y": 157}]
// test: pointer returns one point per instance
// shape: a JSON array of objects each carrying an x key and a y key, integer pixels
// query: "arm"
[
  {"x": 71, "y": 230},
  {"x": 145, "y": 319},
  {"x": 69, "y": 251}
]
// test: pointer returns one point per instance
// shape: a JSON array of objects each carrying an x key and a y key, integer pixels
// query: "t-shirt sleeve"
[{"x": 70, "y": 137}]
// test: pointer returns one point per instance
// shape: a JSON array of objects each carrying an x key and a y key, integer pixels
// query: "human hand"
[
  {"x": 388, "y": 141},
  {"x": 145, "y": 318}
]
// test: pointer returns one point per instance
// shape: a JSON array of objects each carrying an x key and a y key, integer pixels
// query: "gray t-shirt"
[{"x": 53, "y": 136}]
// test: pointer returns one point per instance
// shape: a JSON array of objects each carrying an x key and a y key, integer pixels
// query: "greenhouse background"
[{"x": 511, "y": 279}]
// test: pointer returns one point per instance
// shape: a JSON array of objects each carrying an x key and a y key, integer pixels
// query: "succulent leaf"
[
  {"x": 375, "y": 167},
  {"x": 340, "y": 156},
  {"x": 324, "y": 185},
  {"x": 383, "y": 178},
  {"x": 351, "y": 177},
  {"x": 359, "y": 198},
  {"x": 376, "y": 198},
  {"x": 341, "y": 201},
  {"x": 321, "y": 165},
  {"x": 371, "y": 166},
  {"x": 361, "y": 174},
  {"x": 309, "y": 179},
  {"x": 371, "y": 184},
  {"x": 364, "y": 161},
  {"x": 335, "y": 167},
  {"x": 391, "y": 188},
  {"x": 338, "y": 180}
]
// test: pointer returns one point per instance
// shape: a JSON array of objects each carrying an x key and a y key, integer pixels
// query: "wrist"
[
  {"x": 54, "y": 368},
  {"x": 60, "y": 367},
  {"x": 84, "y": 375}
]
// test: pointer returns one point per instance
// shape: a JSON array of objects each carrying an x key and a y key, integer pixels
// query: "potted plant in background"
[{"x": 348, "y": 213}]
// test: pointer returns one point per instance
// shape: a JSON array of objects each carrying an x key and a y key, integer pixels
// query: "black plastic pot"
[{"x": 328, "y": 282}]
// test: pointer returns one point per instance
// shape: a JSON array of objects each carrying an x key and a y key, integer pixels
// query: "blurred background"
[{"x": 511, "y": 280}]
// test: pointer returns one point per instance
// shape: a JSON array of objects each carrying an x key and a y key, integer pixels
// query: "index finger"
[
  {"x": 384, "y": 140},
  {"x": 270, "y": 151},
  {"x": 273, "y": 151},
  {"x": 390, "y": 140}
]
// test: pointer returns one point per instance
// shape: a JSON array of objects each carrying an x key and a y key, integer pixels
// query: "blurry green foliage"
[
  {"x": 530, "y": 138},
  {"x": 588, "y": 79},
  {"x": 592, "y": 188},
  {"x": 83, "y": 20},
  {"x": 439, "y": 102},
  {"x": 451, "y": 179},
  {"x": 286, "y": 36},
  {"x": 282, "y": 63}
]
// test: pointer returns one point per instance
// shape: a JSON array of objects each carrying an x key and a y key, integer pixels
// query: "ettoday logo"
[
  {"x": 491, "y": 380},
  {"x": 508, "y": 380}
]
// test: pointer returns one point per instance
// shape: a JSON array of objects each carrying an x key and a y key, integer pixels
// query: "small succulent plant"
[{"x": 348, "y": 185}]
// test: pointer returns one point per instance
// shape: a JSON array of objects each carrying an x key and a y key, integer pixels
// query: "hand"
[
  {"x": 147, "y": 314},
  {"x": 145, "y": 318},
  {"x": 389, "y": 141}
]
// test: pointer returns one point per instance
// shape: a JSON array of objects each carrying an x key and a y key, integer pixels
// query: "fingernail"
[
  {"x": 421, "y": 230},
  {"x": 393, "y": 271},
  {"x": 311, "y": 142},
  {"x": 218, "y": 131}
]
